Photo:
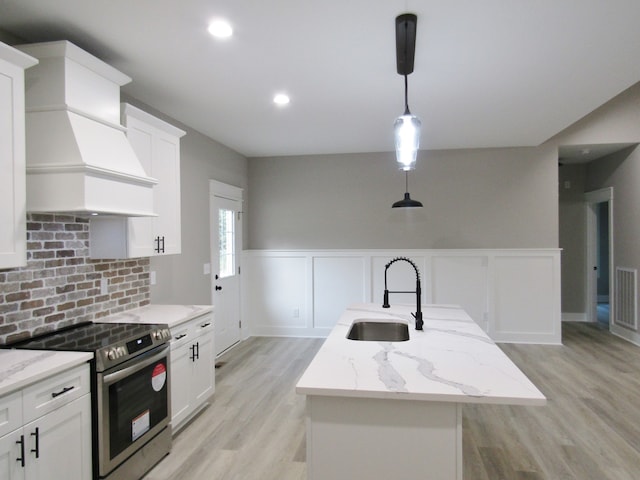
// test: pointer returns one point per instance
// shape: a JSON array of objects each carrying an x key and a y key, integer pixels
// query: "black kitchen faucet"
[{"x": 418, "y": 292}]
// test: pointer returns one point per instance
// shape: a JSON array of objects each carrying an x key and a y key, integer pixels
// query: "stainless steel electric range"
[{"x": 130, "y": 391}]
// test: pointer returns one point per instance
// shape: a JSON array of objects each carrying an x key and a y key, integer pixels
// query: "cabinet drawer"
[
  {"x": 10, "y": 412},
  {"x": 181, "y": 334},
  {"x": 47, "y": 395},
  {"x": 203, "y": 324}
]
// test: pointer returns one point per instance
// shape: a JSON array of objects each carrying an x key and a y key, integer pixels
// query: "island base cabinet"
[{"x": 380, "y": 439}]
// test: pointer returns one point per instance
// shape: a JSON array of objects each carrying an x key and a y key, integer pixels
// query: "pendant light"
[
  {"x": 406, "y": 128},
  {"x": 407, "y": 201}
]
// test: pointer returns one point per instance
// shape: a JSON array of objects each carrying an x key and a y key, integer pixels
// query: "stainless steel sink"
[{"x": 374, "y": 331}]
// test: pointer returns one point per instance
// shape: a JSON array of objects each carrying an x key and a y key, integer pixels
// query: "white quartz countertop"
[
  {"x": 451, "y": 360},
  {"x": 171, "y": 315},
  {"x": 19, "y": 368}
]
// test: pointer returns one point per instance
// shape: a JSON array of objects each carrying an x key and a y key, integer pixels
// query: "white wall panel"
[
  {"x": 462, "y": 280},
  {"x": 276, "y": 290},
  {"x": 513, "y": 294},
  {"x": 337, "y": 283},
  {"x": 526, "y": 300}
]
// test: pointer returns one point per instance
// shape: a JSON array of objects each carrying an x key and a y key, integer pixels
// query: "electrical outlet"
[
  {"x": 104, "y": 286},
  {"x": 152, "y": 278},
  {"x": 207, "y": 269}
]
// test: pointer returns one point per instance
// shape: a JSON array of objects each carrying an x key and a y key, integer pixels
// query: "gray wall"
[
  {"x": 617, "y": 121},
  {"x": 572, "y": 236},
  {"x": 482, "y": 198},
  {"x": 180, "y": 278}
]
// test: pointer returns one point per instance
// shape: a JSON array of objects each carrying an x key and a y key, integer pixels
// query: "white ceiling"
[
  {"x": 487, "y": 74},
  {"x": 587, "y": 153}
]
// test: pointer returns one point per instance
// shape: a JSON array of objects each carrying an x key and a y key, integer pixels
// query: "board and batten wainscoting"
[{"x": 513, "y": 294}]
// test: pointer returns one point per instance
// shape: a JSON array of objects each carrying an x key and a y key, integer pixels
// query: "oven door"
[{"x": 134, "y": 405}]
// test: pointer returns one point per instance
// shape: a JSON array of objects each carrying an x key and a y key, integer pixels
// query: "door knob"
[{"x": 218, "y": 287}]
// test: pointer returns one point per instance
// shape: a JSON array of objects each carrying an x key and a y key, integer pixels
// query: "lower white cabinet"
[
  {"x": 192, "y": 368},
  {"x": 53, "y": 435}
]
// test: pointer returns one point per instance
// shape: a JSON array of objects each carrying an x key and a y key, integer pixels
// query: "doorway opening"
[{"x": 599, "y": 206}]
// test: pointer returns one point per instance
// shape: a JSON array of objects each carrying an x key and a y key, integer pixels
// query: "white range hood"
[{"x": 79, "y": 160}]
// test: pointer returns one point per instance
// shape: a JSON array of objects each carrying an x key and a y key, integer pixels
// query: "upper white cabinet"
[
  {"x": 13, "y": 235},
  {"x": 157, "y": 145}
]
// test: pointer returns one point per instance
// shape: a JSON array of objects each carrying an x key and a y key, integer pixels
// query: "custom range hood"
[{"x": 79, "y": 160}]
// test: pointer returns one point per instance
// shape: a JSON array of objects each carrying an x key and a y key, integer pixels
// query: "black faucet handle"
[{"x": 418, "y": 318}]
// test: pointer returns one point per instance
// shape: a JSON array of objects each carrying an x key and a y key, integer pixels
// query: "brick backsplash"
[{"x": 61, "y": 285}]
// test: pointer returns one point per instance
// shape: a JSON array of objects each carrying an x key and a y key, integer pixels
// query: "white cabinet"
[
  {"x": 45, "y": 431},
  {"x": 192, "y": 368},
  {"x": 13, "y": 235},
  {"x": 157, "y": 145}
]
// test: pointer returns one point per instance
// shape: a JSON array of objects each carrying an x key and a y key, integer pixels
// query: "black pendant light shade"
[{"x": 407, "y": 201}]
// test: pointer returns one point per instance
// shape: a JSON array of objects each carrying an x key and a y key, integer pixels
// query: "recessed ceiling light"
[
  {"x": 281, "y": 99},
  {"x": 220, "y": 29}
]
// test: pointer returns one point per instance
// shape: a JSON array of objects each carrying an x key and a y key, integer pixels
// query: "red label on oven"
[{"x": 158, "y": 377}]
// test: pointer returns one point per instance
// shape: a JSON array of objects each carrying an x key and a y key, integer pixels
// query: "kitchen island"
[{"x": 380, "y": 410}]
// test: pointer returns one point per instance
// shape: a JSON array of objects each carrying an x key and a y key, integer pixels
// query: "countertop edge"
[
  {"x": 52, "y": 368},
  {"x": 421, "y": 397},
  {"x": 169, "y": 314}
]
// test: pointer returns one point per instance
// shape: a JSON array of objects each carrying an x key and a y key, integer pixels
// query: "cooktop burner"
[
  {"x": 87, "y": 337},
  {"x": 112, "y": 343}
]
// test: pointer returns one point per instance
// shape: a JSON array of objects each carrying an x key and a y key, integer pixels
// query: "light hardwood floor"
[{"x": 590, "y": 429}]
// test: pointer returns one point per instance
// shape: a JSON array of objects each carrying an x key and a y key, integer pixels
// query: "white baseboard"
[{"x": 574, "y": 317}]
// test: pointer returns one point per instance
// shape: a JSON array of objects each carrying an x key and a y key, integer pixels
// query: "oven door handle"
[{"x": 138, "y": 365}]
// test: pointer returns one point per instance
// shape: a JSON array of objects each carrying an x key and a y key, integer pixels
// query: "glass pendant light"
[{"x": 406, "y": 130}]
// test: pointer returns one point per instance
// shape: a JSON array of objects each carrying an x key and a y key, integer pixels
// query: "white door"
[{"x": 226, "y": 240}]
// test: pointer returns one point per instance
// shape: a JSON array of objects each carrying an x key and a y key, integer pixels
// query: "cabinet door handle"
[
  {"x": 62, "y": 392},
  {"x": 37, "y": 449},
  {"x": 218, "y": 287},
  {"x": 193, "y": 353},
  {"x": 205, "y": 325},
  {"x": 198, "y": 350},
  {"x": 181, "y": 336},
  {"x": 21, "y": 457},
  {"x": 159, "y": 241}
]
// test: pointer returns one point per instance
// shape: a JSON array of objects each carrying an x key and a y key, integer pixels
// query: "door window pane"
[{"x": 226, "y": 242}]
